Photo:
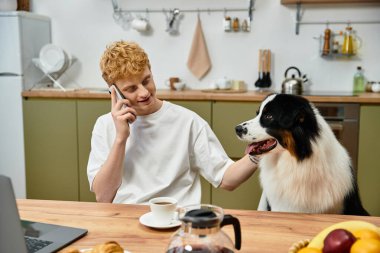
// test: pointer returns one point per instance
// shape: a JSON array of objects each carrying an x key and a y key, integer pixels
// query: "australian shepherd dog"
[{"x": 303, "y": 167}]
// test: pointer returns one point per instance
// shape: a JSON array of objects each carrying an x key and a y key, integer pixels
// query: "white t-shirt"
[{"x": 165, "y": 154}]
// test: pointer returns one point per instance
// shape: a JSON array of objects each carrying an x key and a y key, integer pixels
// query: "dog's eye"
[
  {"x": 268, "y": 117},
  {"x": 257, "y": 112}
]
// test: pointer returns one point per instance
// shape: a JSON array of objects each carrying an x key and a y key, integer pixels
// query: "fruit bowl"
[
  {"x": 298, "y": 246},
  {"x": 348, "y": 236}
]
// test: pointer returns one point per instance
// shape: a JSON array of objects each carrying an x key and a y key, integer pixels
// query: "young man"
[{"x": 146, "y": 147}]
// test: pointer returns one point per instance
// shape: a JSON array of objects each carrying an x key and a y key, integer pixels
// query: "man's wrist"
[{"x": 254, "y": 159}]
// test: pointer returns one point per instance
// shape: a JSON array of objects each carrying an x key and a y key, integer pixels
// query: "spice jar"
[
  {"x": 335, "y": 47},
  {"x": 246, "y": 25},
  {"x": 227, "y": 24},
  {"x": 236, "y": 25}
]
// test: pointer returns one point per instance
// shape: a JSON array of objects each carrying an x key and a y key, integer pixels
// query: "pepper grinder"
[{"x": 326, "y": 45}]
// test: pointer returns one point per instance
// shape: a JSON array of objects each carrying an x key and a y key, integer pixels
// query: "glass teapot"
[{"x": 201, "y": 232}]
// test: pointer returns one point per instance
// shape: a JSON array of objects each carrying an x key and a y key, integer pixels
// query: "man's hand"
[{"x": 122, "y": 115}]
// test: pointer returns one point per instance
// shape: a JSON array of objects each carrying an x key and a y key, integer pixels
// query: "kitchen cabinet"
[
  {"x": 224, "y": 126},
  {"x": 51, "y": 157},
  {"x": 246, "y": 196},
  {"x": 88, "y": 110},
  {"x": 369, "y": 163}
]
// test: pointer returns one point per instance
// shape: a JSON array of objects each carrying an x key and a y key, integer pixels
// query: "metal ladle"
[{"x": 174, "y": 14}]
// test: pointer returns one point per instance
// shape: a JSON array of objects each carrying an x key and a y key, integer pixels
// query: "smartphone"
[{"x": 119, "y": 95}]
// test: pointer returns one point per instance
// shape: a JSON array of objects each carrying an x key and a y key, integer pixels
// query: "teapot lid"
[{"x": 205, "y": 216}]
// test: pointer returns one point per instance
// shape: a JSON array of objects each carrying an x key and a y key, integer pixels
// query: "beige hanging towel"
[{"x": 199, "y": 61}]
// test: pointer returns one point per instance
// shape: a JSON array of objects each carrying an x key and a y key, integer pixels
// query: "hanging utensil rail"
[
  {"x": 197, "y": 10},
  {"x": 299, "y": 22},
  {"x": 208, "y": 10}
]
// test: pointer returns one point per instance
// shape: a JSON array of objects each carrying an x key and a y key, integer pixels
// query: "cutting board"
[{"x": 223, "y": 91}]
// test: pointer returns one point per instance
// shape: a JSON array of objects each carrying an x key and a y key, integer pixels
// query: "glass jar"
[{"x": 227, "y": 24}]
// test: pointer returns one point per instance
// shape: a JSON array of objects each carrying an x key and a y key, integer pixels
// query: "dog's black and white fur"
[{"x": 303, "y": 167}]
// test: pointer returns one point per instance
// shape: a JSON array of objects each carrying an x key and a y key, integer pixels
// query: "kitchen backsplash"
[{"x": 233, "y": 55}]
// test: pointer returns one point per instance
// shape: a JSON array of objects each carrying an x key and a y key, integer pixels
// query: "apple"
[{"x": 338, "y": 241}]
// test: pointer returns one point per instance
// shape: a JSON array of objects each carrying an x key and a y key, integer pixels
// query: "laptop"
[{"x": 21, "y": 236}]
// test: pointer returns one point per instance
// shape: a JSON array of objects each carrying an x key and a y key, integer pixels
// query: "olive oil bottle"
[{"x": 359, "y": 80}]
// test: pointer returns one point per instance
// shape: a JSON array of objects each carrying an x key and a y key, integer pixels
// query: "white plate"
[
  {"x": 148, "y": 220},
  {"x": 52, "y": 58},
  {"x": 84, "y": 250}
]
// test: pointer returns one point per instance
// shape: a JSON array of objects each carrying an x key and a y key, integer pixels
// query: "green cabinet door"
[
  {"x": 203, "y": 109},
  {"x": 88, "y": 111},
  {"x": 226, "y": 115},
  {"x": 51, "y": 150},
  {"x": 369, "y": 163}
]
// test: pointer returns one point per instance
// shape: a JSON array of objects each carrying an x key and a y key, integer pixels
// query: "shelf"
[{"x": 285, "y": 2}]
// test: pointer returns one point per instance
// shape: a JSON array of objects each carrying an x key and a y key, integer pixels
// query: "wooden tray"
[{"x": 223, "y": 91}]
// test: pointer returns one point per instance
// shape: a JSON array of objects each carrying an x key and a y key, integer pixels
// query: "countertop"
[
  {"x": 200, "y": 95},
  {"x": 263, "y": 232}
]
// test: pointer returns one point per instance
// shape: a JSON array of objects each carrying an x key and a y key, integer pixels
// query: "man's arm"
[
  {"x": 107, "y": 181},
  {"x": 238, "y": 172}
]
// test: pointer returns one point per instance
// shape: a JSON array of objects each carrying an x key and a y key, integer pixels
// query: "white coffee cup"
[
  {"x": 163, "y": 209},
  {"x": 140, "y": 24}
]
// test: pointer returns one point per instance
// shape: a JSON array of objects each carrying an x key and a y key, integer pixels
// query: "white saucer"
[{"x": 148, "y": 220}]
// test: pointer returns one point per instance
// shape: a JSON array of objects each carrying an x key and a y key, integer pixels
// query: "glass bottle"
[
  {"x": 348, "y": 47},
  {"x": 359, "y": 82}
]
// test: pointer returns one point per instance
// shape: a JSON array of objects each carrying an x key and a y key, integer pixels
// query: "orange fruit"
[
  {"x": 309, "y": 250},
  {"x": 366, "y": 234},
  {"x": 366, "y": 246}
]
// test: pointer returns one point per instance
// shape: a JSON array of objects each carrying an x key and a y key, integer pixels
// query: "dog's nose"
[{"x": 240, "y": 130}]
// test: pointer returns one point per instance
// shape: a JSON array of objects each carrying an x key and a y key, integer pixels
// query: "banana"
[{"x": 317, "y": 241}]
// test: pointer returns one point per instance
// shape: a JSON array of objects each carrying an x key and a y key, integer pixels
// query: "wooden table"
[{"x": 261, "y": 231}]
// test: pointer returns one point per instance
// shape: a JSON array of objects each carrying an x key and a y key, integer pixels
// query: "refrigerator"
[{"x": 22, "y": 35}]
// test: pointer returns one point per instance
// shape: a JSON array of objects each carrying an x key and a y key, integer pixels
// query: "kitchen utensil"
[
  {"x": 269, "y": 62},
  {"x": 140, "y": 24},
  {"x": 264, "y": 80},
  {"x": 266, "y": 75},
  {"x": 201, "y": 231},
  {"x": 293, "y": 84},
  {"x": 172, "y": 21},
  {"x": 327, "y": 42},
  {"x": 260, "y": 78}
]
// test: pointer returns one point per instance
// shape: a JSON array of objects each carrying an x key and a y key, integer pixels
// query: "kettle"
[
  {"x": 293, "y": 85},
  {"x": 200, "y": 231}
]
